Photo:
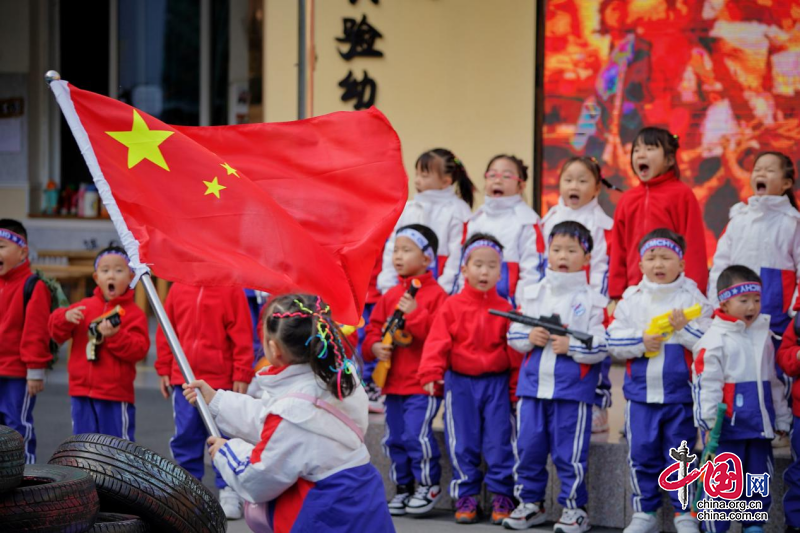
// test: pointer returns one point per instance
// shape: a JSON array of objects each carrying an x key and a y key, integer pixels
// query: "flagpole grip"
[{"x": 177, "y": 350}]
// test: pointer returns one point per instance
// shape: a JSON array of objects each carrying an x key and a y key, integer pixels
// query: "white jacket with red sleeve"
[{"x": 278, "y": 440}]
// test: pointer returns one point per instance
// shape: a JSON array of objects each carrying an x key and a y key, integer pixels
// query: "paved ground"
[{"x": 154, "y": 427}]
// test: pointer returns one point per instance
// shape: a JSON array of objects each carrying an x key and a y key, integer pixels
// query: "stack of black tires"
[{"x": 98, "y": 483}]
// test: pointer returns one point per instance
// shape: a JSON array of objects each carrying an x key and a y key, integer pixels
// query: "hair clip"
[{"x": 457, "y": 161}]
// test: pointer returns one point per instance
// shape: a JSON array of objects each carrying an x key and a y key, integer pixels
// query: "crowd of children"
[{"x": 515, "y": 392}]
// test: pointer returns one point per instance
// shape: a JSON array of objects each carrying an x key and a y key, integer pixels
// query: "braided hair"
[{"x": 302, "y": 325}]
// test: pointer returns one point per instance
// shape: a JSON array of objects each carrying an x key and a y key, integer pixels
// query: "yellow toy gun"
[
  {"x": 114, "y": 317},
  {"x": 393, "y": 334},
  {"x": 660, "y": 324}
]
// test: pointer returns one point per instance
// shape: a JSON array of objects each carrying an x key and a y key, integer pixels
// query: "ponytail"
[
  {"x": 451, "y": 166},
  {"x": 302, "y": 325},
  {"x": 788, "y": 173}
]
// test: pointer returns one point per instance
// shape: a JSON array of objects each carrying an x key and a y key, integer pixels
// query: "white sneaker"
[
  {"x": 231, "y": 503},
  {"x": 599, "y": 419},
  {"x": 524, "y": 516},
  {"x": 424, "y": 499},
  {"x": 397, "y": 505},
  {"x": 572, "y": 521},
  {"x": 686, "y": 523},
  {"x": 644, "y": 523}
]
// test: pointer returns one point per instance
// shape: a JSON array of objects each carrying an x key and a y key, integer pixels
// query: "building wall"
[
  {"x": 14, "y": 65},
  {"x": 455, "y": 73}
]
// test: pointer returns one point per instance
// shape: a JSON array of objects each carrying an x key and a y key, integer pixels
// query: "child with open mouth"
[
  {"x": 734, "y": 364},
  {"x": 579, "y": 187},
  {"x": 661, "y": 200},
  {"x": 505, "y": 215},
  {"x": 102, "y": 388},
  {"x": 763, "y": 234},
  {"x": 658, "y": 378}
]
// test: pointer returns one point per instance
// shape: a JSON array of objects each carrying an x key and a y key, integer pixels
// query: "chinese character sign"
[{"x": 358, "y": 40}]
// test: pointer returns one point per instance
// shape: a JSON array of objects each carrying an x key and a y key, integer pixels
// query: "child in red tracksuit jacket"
[
  {"x": 789, "y": 360},
  {"x": 214, "y": 327},
  {"x": 409, "y": 442},
  {"x": 660, "y": 201},
  {"x": 467, "y": 348},
  {"x": 102, "y": 369},
  {"x": 24, "y": 340}
]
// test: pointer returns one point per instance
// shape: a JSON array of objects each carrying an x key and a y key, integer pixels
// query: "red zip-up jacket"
[
  {"x": 111, "y": 375},
  {"x": 465, "y": 338},
  {"x": 662, "y": 202},
  {"x": 402, "y": 377},
  {"x": 24, "y": 341},
  {"x": 787, "y": 360},
  {"x": 214, "y": 328}
]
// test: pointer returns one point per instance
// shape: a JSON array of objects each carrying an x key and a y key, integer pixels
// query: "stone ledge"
[{"x": 607, "y": 481}]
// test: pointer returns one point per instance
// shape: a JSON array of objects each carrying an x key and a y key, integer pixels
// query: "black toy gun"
[
  {"x": 393, "y": 334},
  {"x": 551, "y": 323},
  {"x": 114, "y": 317}
]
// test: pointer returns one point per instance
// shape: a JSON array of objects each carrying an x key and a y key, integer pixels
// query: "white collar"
[
  {"x": 437, "y": 195},
  {"x": 564, "y": 282}
]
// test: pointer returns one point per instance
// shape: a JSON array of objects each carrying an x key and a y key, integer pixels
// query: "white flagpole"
[{"x": 129, "y": 242}]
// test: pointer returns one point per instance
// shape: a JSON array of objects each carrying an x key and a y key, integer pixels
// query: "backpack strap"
[
  {"x": 322, "y": 404},
  {"x": 27, "y": 293}
]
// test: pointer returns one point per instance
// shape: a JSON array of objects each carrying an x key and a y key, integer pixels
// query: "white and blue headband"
[
  {"x": 482, "y": 243},
  {"x": 750, "y": 287},
  {"x": 661, "y": 242},
  {"x": 420, "y": 240},
  {"x": 16, "y": 238},
  {"x": 113, "y": 252}
]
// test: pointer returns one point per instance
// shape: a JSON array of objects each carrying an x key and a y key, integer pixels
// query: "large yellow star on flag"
[
  {"x": 229, "y": 169},
  {"x": 213, "y": 187},
  {"x": 142, "y": 142}
]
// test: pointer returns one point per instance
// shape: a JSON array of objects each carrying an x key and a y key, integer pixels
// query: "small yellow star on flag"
[
  {"x": 213, "y": 187},
  {"x": 230, "y": 170},
  {"x": 142, "y": 142}
]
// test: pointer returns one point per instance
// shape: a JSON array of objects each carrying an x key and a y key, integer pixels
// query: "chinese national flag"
[{"x": 301, "y": 206}]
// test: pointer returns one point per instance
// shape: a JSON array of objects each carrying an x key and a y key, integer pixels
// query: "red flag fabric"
[{"x": 285, "y": 207}]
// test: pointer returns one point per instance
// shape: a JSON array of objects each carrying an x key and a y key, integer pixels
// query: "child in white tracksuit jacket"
[
  {"x": 734, "y": 364},
  {"x": 579, "y": 187},
  {"x": 435, "y": 205},
  {"x": 658, "y": 390},
  {"x": 299, "y": 450},
  {"x": 557, "y": 383},
  {"x": 763, "y": 234},
  {"x": 506, "y": 216}
]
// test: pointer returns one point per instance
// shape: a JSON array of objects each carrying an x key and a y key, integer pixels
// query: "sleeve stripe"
[
  {"x": 270, "y": 425},
  {"x": 236, "y": 465}
]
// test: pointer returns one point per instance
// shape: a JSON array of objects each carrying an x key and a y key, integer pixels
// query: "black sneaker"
[
  {"x": 424, "y": 499},
  {"x": 397, "y": 505},
  {"x": 375, "y": 396}
]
